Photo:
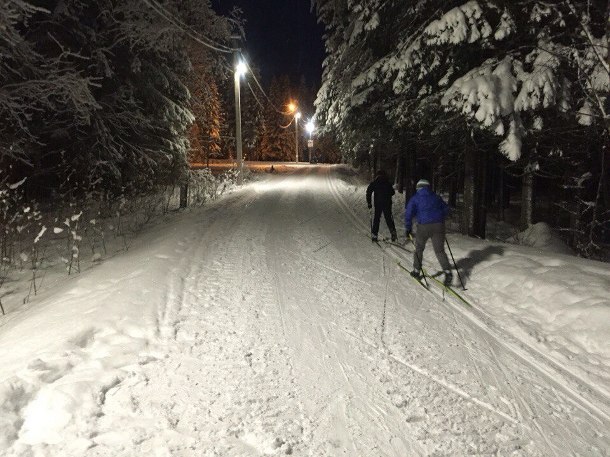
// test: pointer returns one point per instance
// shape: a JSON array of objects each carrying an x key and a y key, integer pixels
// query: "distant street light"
[
  {"x": 240, "y": 70},
  {"x": 310, "y": 127}
]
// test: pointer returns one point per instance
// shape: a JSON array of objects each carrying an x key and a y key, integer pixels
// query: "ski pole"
[
  {"x": 455, "y": 264},
  {"x": 421, "y": 264}
]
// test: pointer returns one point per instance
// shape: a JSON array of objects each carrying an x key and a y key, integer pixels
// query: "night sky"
[{"x": 282, "y": 37}]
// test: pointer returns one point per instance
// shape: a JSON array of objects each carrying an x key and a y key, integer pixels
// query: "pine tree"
[
  {"x": 277, "y": 142},
  {"x": 205, "y": 103}
]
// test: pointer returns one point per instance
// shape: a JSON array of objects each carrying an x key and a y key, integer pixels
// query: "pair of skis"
[
  {"x": 423, "y": 280},
  {"x": 434, "y": 280}
]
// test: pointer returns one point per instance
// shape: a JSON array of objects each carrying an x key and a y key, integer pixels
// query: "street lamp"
[
  {"x": 297, "y": 116},
  {"x": 240, "y": 70},
  {"x": 310, "y": 127}
]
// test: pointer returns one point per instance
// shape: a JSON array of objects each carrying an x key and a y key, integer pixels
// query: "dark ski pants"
[
  {"x": 437, "y": 233},
  {"x": 389, "y": 219}
]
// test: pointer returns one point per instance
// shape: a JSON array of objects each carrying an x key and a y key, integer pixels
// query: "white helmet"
[{"x": 422, "y": 183}]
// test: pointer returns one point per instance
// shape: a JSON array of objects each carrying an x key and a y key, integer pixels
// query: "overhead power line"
[
  {"x": 285, "y": 113},
  {"x": 168, "y": 16},
  {"x": 255, "y": 97}
]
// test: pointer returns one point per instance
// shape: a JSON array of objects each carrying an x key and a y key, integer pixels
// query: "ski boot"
[
  {"x": 448, "y": 277},
  {"x": 374, "y": 239},
  {"x": 417, "y": 274},
  {"x": 394, "y": 236}
]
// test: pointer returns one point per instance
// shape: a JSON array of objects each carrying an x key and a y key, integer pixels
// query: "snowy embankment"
[
  {"x": 267, "y": 324},
  {"x": 558, "y": 301}
]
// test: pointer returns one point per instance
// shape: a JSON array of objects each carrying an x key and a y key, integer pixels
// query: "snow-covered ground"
[{"x": 268, "y": 324}]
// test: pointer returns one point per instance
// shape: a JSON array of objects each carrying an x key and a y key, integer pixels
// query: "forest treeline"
[
  {"x": 493, "y": 100},
  {"x": 268, "y": 130},
  {"x": 117, "y": 97},
  {"x": 94, "y": 95}
]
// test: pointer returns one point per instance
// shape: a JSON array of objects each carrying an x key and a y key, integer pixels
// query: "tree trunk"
[
  {"x": 527, "y": 196},
  {"x": 453, "y": 191},
  {"x": 466, "y": 221},
  {"x": 474, "y": 214},
  {"x": 184, "y": 189},
  {"x": 400, "y": 170},
  {"x": 501, "y": 196},
  {"x": 374, "y": 170},
  {"x": 479, "y": 220},
  {"x": 411, "y": 165}
]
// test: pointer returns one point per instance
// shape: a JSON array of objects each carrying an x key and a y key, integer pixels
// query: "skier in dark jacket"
[
  {"x": 383, "y": 191},
  {"x": 430, "y": 211}
]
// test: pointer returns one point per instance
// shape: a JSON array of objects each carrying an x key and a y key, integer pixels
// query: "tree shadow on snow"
[{"x": 473, "y": 258}]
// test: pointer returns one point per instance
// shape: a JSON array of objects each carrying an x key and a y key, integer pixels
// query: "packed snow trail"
[{"x": 278, "y": 328}]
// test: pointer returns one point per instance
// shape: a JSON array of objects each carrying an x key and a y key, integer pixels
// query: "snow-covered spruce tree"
[
  {"x": 124, "y": 127},
  {"x": 277, "y": 140},
  {"x": 206, "y": 106},
  {"x": 452, "y": 76},
  {"x": 33, "y": 85},
  {"x": 252, "y": 112}
]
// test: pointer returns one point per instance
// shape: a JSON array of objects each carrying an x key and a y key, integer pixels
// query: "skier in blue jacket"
[{"x": 430, "y": 211}]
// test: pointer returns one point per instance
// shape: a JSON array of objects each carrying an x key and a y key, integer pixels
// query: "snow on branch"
[
  {"x": 540, "y": 87},
  {"x": 462, "y": 24},
  {"x": 485, "y": 93}
]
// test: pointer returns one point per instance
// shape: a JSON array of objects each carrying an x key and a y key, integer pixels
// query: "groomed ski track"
[{"x": 282, "y": 331}]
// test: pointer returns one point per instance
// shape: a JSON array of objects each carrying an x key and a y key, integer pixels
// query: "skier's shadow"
[{"x": 473, "y": 258}]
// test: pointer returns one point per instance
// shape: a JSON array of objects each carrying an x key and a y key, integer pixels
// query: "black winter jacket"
[{"x": 383, "y": 191}]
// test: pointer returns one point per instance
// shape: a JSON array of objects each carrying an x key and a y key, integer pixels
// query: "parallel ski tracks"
[{"x": 556, "y": 374}]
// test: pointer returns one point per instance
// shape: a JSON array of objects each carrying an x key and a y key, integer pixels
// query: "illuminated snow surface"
[{"x": 268, "y": 324}]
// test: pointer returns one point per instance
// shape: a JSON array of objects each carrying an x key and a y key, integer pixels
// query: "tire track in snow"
[
  {"x": 436, "y": 379},
  {"x": 313, "y": 302},
  {"x": 173, "y": 297},
  {"x": 226, "y": 273}
]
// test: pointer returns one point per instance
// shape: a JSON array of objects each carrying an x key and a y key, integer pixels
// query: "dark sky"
[{"x": 282, "y": 37}]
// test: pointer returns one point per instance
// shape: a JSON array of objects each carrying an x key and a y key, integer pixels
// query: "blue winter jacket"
[{"x": 427, "y": 207}]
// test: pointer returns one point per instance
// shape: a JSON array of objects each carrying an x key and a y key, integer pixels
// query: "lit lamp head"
[
  {"x": 241, "y": 69},
  {"x": 310, "y": 127},
  {"x": 292, "y": 107},
  {"x": 297, "y": 115}
]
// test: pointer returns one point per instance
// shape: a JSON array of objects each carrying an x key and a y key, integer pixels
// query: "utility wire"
[
  {"x": 187, "y": 28},
  {"x": 285, "y": 113},
  {"x": 255, "y": 97},
  {"x": 164, "y": 13},
  {"x": 289, "y": 124}
]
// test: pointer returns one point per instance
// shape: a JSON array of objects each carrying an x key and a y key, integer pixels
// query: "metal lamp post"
[
  {"x": 240, "y": 70},
  {"x": 297, "y": 116}
]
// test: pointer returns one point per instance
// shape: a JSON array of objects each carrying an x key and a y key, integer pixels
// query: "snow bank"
[
  {"x": 557, "y": 302},
  {"x": 543, "y": 237},
  {"x": 77, "y": 340}
]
